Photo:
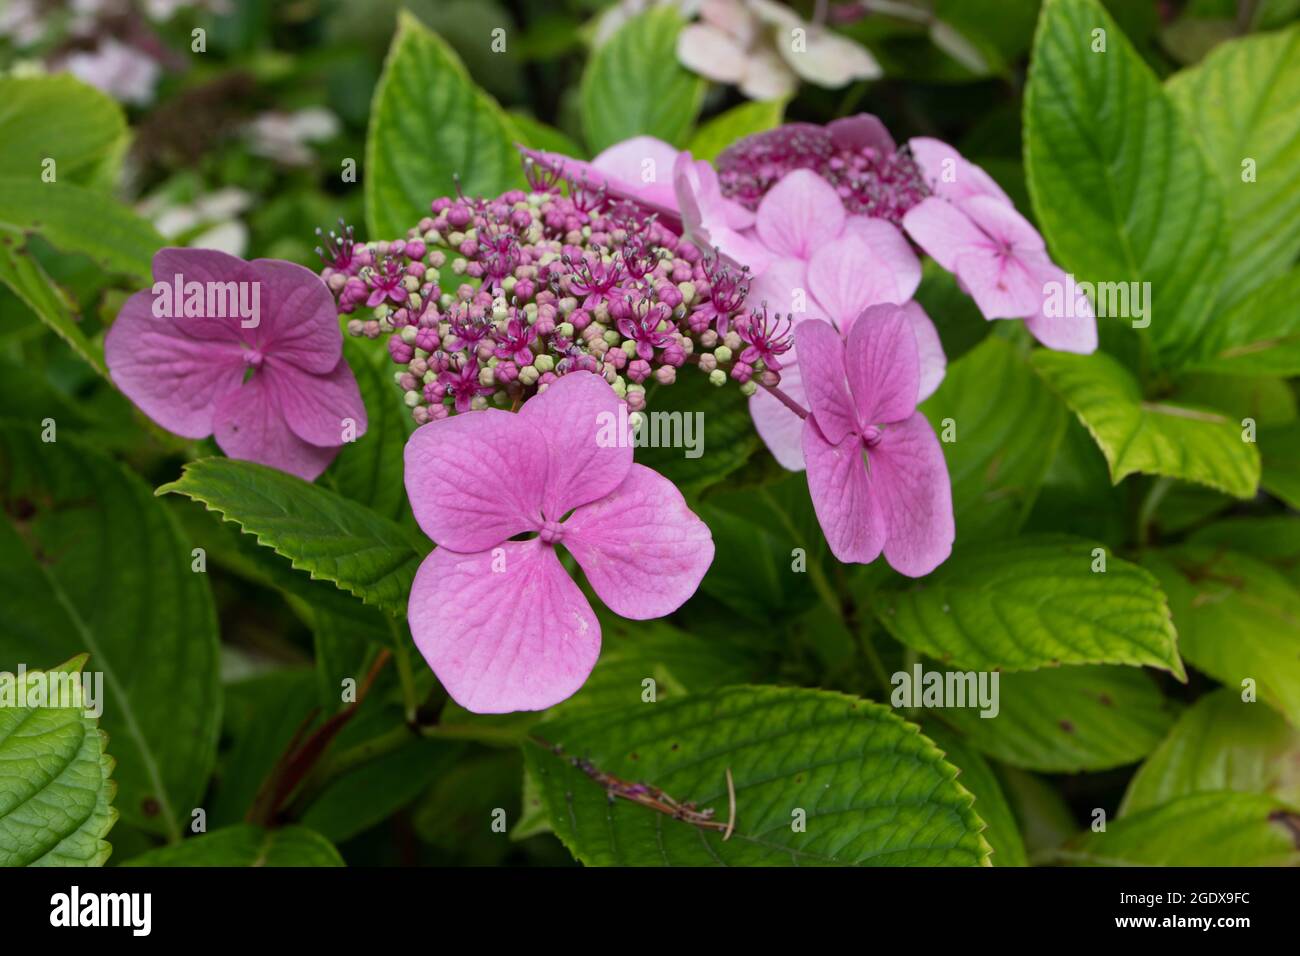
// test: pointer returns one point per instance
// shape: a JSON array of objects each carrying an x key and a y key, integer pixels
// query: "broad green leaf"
[
  {"x": 60, "y": 118},
  {"x": 991, "y": 805},
  {"x": 102, "y": 567},
  {"x": 431, "y": 127},
  {"x": 735, "y": 124},
  {"x": 320, "y": 532},
  {"x": 75, "y": 219},
  {"x": 1220, "y": 743},
  {"x": 634, "y": 86},
  {"x": 533, "y": 132},
  {"x": 703, "y": 433},
  {"x": 456, "y": 815},
  {"x": 1152, "y": 438},
  {"x": 765, "y": 538},
  {"x": 1045, "y": 819},
  {"x": 1077, "y": 495},
  {"x": 1243, "y": 105},
  {"x": 1237, "y": 619},
  {"x": 369, "y": 470},
  {"x": 1007, "y": 427},
  {"x": 1068, "y": 719},
  {"x": 55, "y": 792},
  {"x": 1274, "y": 539},
  {"x": 1260, "y": 334},
  {"x": 1001, "y": 30},
  {"x": 869, "y": 787},
  {"x": 1034, "y": 602},
  {"x": 24, "y": 276},
  {"x": 1279, "y": 447},
  {"x": 1120, "y": 187},
  {"x": 246, "y": 845},
  {"x": 1205, "y": 829},
  {"x": 1266, "y": 401}
]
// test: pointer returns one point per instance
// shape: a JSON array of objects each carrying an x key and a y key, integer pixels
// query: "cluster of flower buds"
[
  {"x": 856, "y": 156},
  {"x": 487, "y": 301}
]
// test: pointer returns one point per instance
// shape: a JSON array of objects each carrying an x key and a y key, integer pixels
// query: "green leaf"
[
  {"x": 735, "y": 124},
  {"x": 1279, "y": 447},
  {"x": 702, "y": 435},
  {"x": 101, "y": 567},
  {"x": 320, "y": 532},
  {"x": 1221, "y": 743},
  {"x": 55, "y": 793},
  {"x": 369, "y": 470},
  {"x": 1243, "y": 102},
  {"x": 246, "y": 845},
  {"x": 24, "y": 276},
  {"x": 1205, "y": 829},
  {"x": 1007, "y": 427},
  {"x": 1120, "y": 187},
  {"x": 1152, "y": 438},
  {"x": 954, "y": 313},
  {"x": 536, "y": 134},
  {"x": 1237, "y": 618},
  {"x": 430, "y": 124},
  {"x": 634, "y": 86},
  {"x": 872, "y": 789},
  {"x": 1034, "y": 602},
  {"x": 1069, "y": 719},
  {"x": 1260, "y": 335},
  {"x": 74, "y": 219},
  {"x": 60, "y": 118},
  {"x": 1274, "y": 539},
  {"x": 977, "y": 776}
]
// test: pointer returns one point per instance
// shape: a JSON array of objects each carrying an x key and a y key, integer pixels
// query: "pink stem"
[{"x": 787, "y": 401}]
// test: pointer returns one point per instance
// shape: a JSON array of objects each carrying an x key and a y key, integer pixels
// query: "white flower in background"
[
  {"x": 211, "y": 219},
  {"x": 121, "y": 71},
  {"x": 21, "y": 21},
  {"x": 765, "y": 48},
  {"x": 614, "y": 16},
  {"x": 284, "y": 136}
]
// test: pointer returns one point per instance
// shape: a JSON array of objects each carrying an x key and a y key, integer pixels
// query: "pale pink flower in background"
[
  {"x": 500, "y": 621},
  {"x": 876, "y": 472},
  {"x": 121, "y": 71},
  {"x": 279, "y": 393}
]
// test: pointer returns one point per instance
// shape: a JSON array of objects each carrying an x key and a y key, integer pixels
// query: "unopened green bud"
[
  {"x": 718, "y": 377},
  {"x": 544, "y": 363},
  {"x": 722, "y": 354}
]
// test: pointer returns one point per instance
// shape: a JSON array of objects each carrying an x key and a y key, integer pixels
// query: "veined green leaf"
[
  {"x": 1034, "y": 602},
  {"x": 1237, "y": 619},
  {"x": 977, "y": 776},
  {"x": 101, "y": 567},
  {"x": 634, "y": 86},
  {"x": 820, "y": 779},
  {"x": 24, "y": 276},
  {"x": 1220, "y": 743},
  {"x": 246, "y": 845},
  {"x": 1006, "y": 425},
  {"x": 1204, "y": 829},
  {"x": 60, "y": 118},
  {"x": 1153, "y": 438},
  {"x": 430, "y": 126},
  {"x": 320, "y": 532},
  {"x": 1260, "y": 334},
  {"x": 1243, "y": 105},
  {"x": 1279, "y": 447},
  {"x": 55, "y": 793},
  {"x": 1119, "y": 184},
  {"x": 1068, "y": 719}
]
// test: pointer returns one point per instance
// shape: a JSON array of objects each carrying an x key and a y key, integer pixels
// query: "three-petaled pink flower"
[
  {"x": 498, "y": 619},
  {"x": 972, "y": 229},
  {"x": 876, "y": 473},
  {"x": 278, "y": 392}
]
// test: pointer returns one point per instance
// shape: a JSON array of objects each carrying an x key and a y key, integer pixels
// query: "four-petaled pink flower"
[
  {"x": 876, "y": 473},
  {"x": 499, "y": 620},
  {"x": 280, "y": 393},
  {"x": 972, "y": 229}
]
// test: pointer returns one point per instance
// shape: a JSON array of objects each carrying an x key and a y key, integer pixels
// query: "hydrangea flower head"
[
  {"x": 498, "y": 618},
  {"x": 876, "y": 472},
  {"x": 279, "y": 393}
]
